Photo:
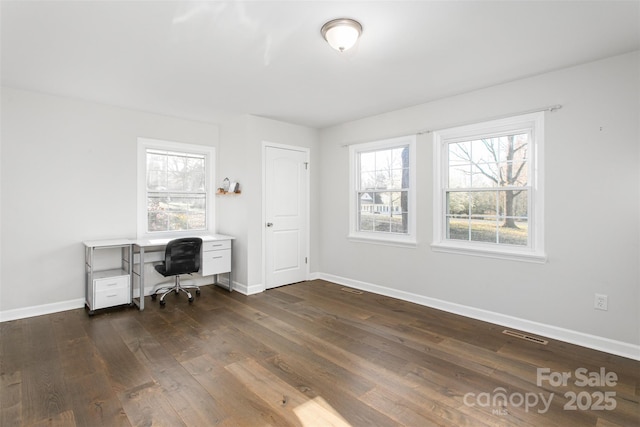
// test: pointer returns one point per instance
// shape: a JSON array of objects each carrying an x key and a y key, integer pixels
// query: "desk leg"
[
  {"x": 141, "y": 305},
  {"x": 140, "y": 302}
]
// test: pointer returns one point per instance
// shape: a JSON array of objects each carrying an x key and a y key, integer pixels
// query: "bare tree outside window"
[
  {"x": 383, "y": 190},
  {"x": 488, "y": 189},
  {"x": 176, "y": 191}
]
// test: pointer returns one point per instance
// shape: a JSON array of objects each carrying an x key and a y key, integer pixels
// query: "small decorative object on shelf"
[{"x": 229, "y": 187}]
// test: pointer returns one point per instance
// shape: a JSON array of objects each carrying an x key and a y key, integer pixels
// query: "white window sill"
[
  {"x": 490, "y": 251},
  {"x": 388, "y": 240}
]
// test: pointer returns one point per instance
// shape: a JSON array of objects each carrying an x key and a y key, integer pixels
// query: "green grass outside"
[{"x": 485, "y": 231}]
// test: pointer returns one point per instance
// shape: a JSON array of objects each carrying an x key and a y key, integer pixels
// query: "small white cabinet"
[
  {"x": 216, "y": 258},
  {"x": 107, "y": 286}
]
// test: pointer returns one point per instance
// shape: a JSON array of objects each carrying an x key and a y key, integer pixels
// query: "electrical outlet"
[{"x": 601, "y": 302}]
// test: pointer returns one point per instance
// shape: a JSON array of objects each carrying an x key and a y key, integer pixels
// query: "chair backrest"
[{"x": 182, "y": 256}]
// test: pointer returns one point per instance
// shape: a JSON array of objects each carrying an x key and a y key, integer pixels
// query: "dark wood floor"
[{"x": 309, "y": 354}]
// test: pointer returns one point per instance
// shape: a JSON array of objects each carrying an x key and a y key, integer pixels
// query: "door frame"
[{"x": 307, "y": 152}]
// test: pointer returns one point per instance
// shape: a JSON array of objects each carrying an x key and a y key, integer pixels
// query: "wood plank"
[
  {"x": 10, "y": 398},
  {"x": 147, "y": 405},
  {"x": 63, "y": 419},
  {"x": 43, "y": 387},
  {"x": 294, "y": 406},
  {"x": 94, "y": 401}
]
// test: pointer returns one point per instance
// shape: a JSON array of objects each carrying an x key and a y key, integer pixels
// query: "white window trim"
[
  {"x": 535, "y": 251},
  {"x": 209, "y": 152},
  {"x": 391, "y": 239}
]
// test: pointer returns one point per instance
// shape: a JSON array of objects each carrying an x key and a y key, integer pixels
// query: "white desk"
[
  {"x": 212, "y": 263},
  {"x": 216, "y": 259}
]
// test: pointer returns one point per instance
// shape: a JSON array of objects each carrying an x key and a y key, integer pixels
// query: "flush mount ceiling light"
[{"x": 341, "y": 34}]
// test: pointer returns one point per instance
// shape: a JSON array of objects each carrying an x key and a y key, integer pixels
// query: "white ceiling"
[{"x": 199, "y": 59}]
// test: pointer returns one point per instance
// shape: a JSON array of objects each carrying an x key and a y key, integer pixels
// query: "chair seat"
[{"x": 160, "y": 268}]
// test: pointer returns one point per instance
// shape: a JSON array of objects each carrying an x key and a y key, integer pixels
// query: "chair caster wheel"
[
  {"x": 191, "y": 299},
  {"x": 198, "y": 292},
  {"x": 162, "y": 303},
  {"x": 154, "y": 296}
]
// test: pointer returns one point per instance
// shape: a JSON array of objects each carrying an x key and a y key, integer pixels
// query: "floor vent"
[
  {"x": 352, "y": 291},
  {"x": 525, "y": 337}
]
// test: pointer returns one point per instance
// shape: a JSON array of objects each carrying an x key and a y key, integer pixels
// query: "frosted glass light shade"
[{"x": 341, "y": 34}]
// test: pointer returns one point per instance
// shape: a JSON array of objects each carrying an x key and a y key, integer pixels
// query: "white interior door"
[{"x": 286, "y": 216}]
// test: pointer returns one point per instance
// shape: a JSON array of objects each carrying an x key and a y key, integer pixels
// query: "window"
[
  {"x": 382, "y": 200},
  {"x": 174, "y": 186},
  {"x": 489, "y": 188}
]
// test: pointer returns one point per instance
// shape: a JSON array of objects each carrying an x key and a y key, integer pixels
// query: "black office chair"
[{"x": 182, "y": 256}]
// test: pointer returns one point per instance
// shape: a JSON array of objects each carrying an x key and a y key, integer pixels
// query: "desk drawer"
[
  {"x": 216, "y": 245},
  {"x": 215, "y": 262},
  {"x": 107, "y": 283}
]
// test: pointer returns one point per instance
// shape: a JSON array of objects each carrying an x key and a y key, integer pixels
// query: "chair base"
[{"x": 177, "y": 288}]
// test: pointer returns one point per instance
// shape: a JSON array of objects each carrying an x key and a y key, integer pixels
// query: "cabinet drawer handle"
[
  {"x": 111, "y": 296},
  {"x": 217, "y": 245},
  {"x": 216, "y": 257}
]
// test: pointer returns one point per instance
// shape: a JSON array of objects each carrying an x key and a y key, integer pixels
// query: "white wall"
[
  {"x": 68, "y": 175},
  {"x": 592, "y": 208}
]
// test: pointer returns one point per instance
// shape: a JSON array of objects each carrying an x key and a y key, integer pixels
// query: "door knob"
[{"x": 269, "y": 224}]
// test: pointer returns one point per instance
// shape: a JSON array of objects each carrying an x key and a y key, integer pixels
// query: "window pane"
[
  {"x": 458, "y": 203},
  {"x": 156, "y": 172},
  {"x": 395, "y": 183},
  {"x": 517, "y": 235},
  {"x": 514, "y": 173},
  {"x": 484, "y": 151},
  {"x": 381, "y": 223},
  {"x": 485, "y": 175},
  {"x": 483, "y": 203},
  {"x": 458, "y": 228},
  {"x": 513, "y": 147},
  {"x": 368, "y": 161},
  {"x": 383, "y": 179},
  {"x": 514, "y": 203},
  {"x": 484, "y": 230},
  {"x": 367, "y": 181},
  {"x": 365, "y": 211},
  {"x": 514, "y": 228},
  {"x": 398, "y": 212},
  {"x": 459, "y": 153},
  {"x": 460, "y": 176},
  {"x": 176, "y": 212}
]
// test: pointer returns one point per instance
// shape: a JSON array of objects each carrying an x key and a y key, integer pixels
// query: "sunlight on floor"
[{"x": 317, "y": 412}]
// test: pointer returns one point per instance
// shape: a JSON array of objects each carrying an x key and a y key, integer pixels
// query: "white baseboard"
[
  {"x": 39, "y": 310},
  {"x": 607, "y": 345}
]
